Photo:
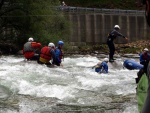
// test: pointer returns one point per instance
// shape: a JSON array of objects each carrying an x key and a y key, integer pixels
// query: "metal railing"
[{"x": 98, "y": 10}]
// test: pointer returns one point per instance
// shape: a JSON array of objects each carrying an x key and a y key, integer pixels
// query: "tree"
[{"x": 40, "y": 19}]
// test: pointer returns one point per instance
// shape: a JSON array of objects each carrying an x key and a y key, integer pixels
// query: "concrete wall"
[{"x": 93, "y": 28}]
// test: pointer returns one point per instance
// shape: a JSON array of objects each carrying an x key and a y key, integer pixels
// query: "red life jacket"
[
  {"x": 29, "y": 49},
  {"x": 36, "y": 45},
  {"x": 61, "y": 54},
  {"x": 145, "y": 56},
  {"x": 45, "y": 53}
]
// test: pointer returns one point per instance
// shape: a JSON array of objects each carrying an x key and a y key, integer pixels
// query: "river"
[{"x": 27, "y": 87}]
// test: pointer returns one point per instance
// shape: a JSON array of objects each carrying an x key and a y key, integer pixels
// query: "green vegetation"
[
  {"x": 111, "y": 4},
  {"x": 130, "y": 50},
  {"x": 21, "y": 19}
]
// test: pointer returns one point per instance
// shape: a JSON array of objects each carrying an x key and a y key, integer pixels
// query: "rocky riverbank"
[
  {"x": 121, "y": 49},
  {"x": 129, "y": 49}
]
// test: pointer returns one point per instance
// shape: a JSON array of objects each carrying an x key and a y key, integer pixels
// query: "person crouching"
[
  {"x": 30, "y": 48},
  {"x": 102, "y": 67},
  {"x": 47, "y": 54}
]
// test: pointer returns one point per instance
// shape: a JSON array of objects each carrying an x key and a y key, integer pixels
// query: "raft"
[{"x": 132, "y": 64}]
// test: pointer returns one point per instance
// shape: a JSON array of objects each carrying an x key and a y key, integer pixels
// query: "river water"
[{"x": 27, "y": 87}]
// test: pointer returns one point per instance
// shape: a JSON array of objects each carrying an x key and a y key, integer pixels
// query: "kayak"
[
  {"x": 132, "y": 64},
  {"x": 141, "y": 91}
]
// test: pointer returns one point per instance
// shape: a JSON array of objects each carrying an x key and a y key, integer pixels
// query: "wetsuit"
[{"x": 111, "y": 36}]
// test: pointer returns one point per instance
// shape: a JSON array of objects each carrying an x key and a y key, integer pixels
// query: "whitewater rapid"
[{"x": 27, "y": 87}]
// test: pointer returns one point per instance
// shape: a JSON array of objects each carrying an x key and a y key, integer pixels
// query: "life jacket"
[
  {"x": 45, "y": 55},
  {"x": 61, "y": 54},
  {"x": 145, "y": 56},
  {"x": 98, "y": 68},
  {"x": 30, "y": 48},
  {"x": 28, "y": 51},
  {"x": 111, "y": 36}
]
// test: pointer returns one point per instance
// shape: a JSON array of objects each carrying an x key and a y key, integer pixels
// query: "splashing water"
[{"x": 27, "y": 87}]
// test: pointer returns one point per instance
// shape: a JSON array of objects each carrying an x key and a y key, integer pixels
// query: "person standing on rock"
[
  {"x": 111, "y": 36},
  {"x": 64, "y": 4}
]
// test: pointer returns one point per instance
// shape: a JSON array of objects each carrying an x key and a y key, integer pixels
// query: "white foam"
[
  {"x": 64, "y": 82},
  {"x": 45, "y": 90}
]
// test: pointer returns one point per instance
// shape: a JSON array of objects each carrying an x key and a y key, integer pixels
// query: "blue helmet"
[{"x": 60, "y": 43}]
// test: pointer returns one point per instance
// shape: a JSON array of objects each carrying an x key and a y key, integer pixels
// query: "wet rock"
[
  {"x": 20, "y": 52},
  {"x": 131, "y": 55}
]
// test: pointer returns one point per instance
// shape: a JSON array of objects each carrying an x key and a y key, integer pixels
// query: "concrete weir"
[{"x": 93, "y": 25}]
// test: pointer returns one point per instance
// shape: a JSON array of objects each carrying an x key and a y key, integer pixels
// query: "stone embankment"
[
  {"x": 131, "y": 50},
  {"x": 122, "y": 50}
]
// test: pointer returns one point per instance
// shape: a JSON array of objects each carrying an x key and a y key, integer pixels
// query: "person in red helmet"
[{"x": 30, "y": 48}]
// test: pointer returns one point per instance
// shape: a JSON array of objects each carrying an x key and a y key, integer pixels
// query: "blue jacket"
[
  {"x": 102, "y": 68},
  {"x": 144, "y": 58},
  {"x": 58, "y": 54}
]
